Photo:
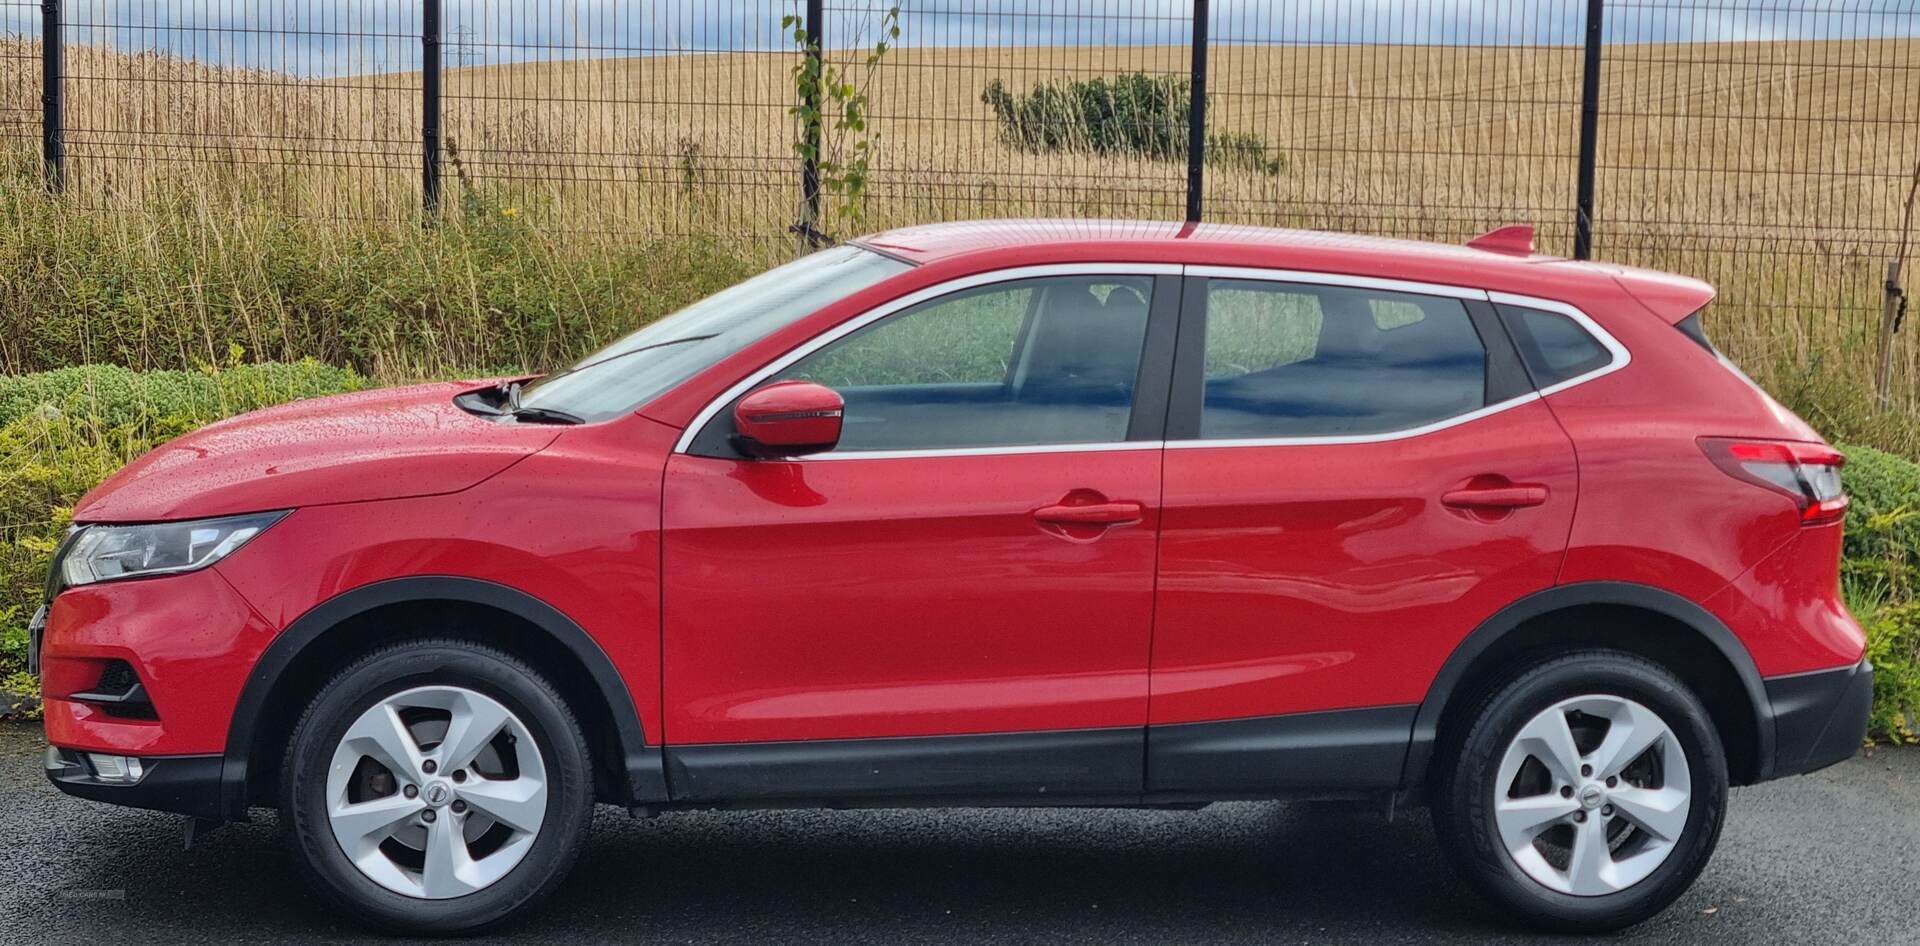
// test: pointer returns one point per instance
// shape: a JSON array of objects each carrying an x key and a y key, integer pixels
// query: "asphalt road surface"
[{"x": 1829, "y": 858}]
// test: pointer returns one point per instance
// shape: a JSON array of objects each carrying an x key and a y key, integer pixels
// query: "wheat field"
[{"x": 1780, "y": 171}]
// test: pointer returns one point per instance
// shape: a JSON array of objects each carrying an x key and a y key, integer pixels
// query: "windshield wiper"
[
  {"x": 545, "y": 415},
  {"x": 538, "y": 415}
]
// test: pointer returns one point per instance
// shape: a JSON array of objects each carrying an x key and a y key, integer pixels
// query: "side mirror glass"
[{"x": 788, "y": 419}]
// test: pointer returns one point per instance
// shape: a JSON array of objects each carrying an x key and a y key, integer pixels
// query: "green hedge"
[
  {"x": 62, "y": 432},
  {"x": 1882, "y": 552},
  {"x": 1893, "y": 644},
  {"x": 1883, "y": 522},
  {"x": 118, "y": 398}
]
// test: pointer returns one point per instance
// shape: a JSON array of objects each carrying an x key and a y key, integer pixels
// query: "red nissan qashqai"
[{"x": 1014, "y": 513}]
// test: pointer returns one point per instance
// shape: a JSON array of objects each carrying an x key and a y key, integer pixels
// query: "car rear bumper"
[
  {"x": 187, "y": 785},
  {"x": 1819, "y": 718}
]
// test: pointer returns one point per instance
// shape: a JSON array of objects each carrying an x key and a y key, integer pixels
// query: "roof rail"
[{"x": 1513, "y": 240}]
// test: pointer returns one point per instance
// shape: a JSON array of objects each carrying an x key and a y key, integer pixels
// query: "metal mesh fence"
[
  {"x": 1781, "y": 171},
  {"x": 638, "y": 117},
  {"x": 1432, "y": 127},
  {"x": 1769, "y": 146},
  {"x": 314, "y": 107},
  {"x": 945, "y": 151},
  {"x": 19, "y": 73}
]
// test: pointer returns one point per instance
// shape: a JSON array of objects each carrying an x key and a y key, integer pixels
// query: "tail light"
[{"x": 1807, "y": 473}]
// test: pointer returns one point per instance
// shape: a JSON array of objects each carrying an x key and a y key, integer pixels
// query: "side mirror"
[{"x": 788, "y": 419}]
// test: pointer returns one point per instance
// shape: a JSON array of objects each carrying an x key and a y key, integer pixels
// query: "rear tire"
[
  {"x": 1597, "y": 831},
  {"x": 437, "y": 787}
]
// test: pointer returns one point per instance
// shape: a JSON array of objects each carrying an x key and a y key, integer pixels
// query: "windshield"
[{"x": 636, "y": 369}]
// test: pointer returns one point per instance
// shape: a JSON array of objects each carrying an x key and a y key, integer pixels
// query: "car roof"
[
  {"x": 1054, "y": 241},
  {"x": 933, "y": 242}
]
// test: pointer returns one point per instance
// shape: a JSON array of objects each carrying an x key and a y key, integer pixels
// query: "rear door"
[
  {"x": 958, "y": 599},
  {"x": 1357, "y": 474}
]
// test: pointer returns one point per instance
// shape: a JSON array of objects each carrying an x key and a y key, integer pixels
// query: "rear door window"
[{"x": 1295, "y": 360}]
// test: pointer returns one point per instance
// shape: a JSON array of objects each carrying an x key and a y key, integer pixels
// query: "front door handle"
[
  {"x": 1496, "y": 497},
  {"x": 1091, "y": 514}
]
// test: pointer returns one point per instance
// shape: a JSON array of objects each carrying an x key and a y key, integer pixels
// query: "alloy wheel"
[
  {"x": 436, "y": 792},
  {"x": 1592, "y": 795}
]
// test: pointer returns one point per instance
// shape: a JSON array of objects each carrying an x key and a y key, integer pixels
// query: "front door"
[
  {"x": 956, "y": 600},
  {"x": 1357, "y": 476}
]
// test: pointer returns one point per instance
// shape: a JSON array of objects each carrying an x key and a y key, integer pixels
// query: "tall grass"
[
  {"x": 219, "y": 179},
  {"x": 192, "y": 272},
  {"x": 214, "y": 205}
]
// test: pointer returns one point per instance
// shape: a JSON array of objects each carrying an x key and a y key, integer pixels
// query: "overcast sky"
[{"x": 339, "y": 37}]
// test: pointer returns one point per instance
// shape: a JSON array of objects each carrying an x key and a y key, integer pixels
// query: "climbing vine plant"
[{"x": 836, "y": 103}]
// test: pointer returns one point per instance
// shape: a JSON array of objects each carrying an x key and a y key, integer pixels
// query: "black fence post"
[
  {"x": 53, "y": 94},
  {"x": 1197, "y": 117},
  {"x": 810, "y": 107},
  {"x": 430, "y": 66},
  {"x": 1589, "y": 134}
]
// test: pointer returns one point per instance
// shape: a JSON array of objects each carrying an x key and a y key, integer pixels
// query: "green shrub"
[
  {"x": 1883, "y": 520},
  {"x": 1130, "y": 114},
  {"x": 62, "y": 432},
  {"x": 1882, "y": 553},
  {"x": 118, "y": 397},
  {"x": 19, "y": 696},
  {"x": 1893, "y": 644}
]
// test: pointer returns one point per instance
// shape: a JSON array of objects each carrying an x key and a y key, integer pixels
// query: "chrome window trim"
[
  {"x": 1336, "y": 279},
  {"x": 984, "y": 451},
  {"x": 908, "y": 301},
  {"x": 1621, "y": 356},
  {"x": 1385, "y": 437}
]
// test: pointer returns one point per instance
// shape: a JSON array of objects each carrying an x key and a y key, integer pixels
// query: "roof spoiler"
[{"x": 1513, "y": 240}]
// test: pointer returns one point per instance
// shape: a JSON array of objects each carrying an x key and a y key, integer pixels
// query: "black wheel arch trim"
[
  {"x": 646, "y": 771},
  {"x": 1426, "y": 726}
]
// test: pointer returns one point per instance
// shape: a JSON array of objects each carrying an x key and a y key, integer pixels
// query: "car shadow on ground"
[
  {"x": 1818, "y": 859},
  {"x": 1239, "y": 872}
]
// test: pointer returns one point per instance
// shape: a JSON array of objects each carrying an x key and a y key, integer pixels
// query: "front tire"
[
  {"x": 437, "y": 787},
  {"x": 1587, "y": 794}
]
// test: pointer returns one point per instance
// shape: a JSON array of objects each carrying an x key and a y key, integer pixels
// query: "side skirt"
[
  {"x": 1352, "y": 750},
  {"x": 1340, "y": 753},
  {"x": 833, "y": 771}
]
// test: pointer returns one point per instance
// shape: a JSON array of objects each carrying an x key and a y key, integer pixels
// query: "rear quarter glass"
[{"x": 1554, "y": 347}]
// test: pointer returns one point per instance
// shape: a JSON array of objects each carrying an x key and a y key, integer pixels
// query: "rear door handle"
[
  {"x": 1496, "y": 497},
  {"x": 1091, "y": 514}
]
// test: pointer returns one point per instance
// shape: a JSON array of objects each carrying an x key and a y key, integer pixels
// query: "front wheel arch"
[
  {"x": 1635, "y": 618},
  {"x": 334, "y": 633}
]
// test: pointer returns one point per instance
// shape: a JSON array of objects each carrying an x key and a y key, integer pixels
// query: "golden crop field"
[{"x": 1780, "y": 171}]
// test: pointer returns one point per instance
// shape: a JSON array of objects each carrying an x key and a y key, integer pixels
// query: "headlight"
[{"x": 108, "y": 553}]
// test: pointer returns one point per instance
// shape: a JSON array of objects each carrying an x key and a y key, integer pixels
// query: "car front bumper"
[
  {"x": 1819, "y": 718},
  {"x": 186, "y": 643},
  {"x": 187, "y": 785}
]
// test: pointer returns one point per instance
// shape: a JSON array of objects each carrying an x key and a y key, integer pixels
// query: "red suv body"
[{"x": 1045, "y": 513}]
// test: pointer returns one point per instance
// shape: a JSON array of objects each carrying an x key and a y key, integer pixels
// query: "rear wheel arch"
[
  {"x": 333, "y": 634},
  {"x": 1637, "y": 619}
]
